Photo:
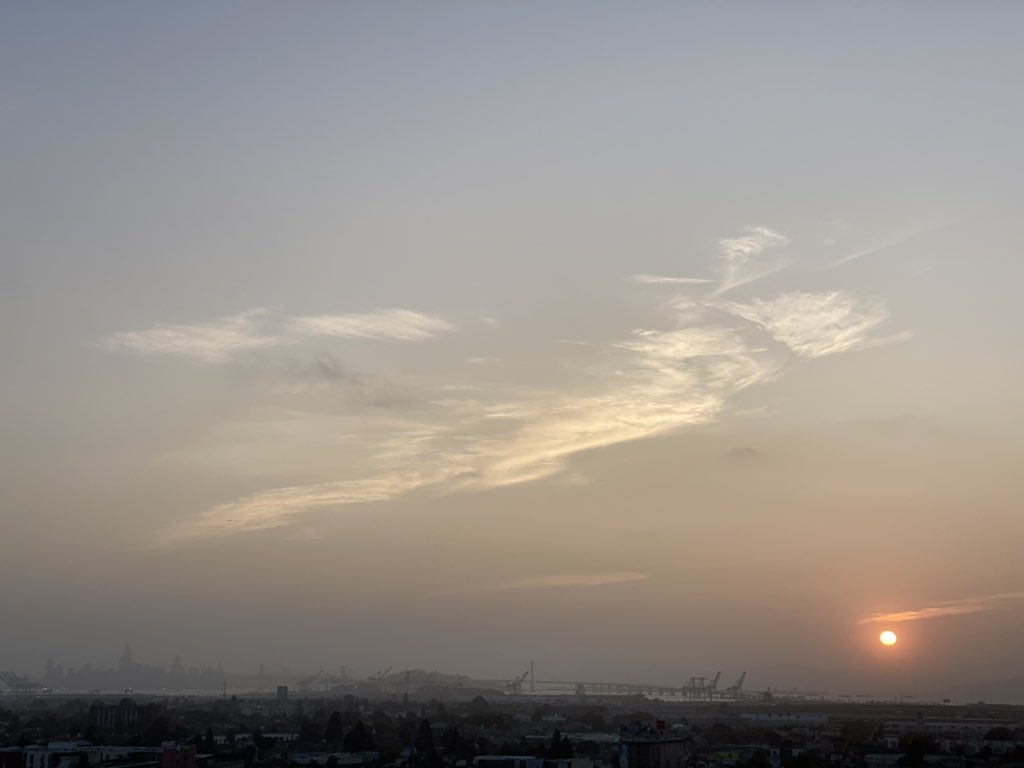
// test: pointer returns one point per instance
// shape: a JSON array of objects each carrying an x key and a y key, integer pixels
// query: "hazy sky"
[{"x": 641, "y": 340}]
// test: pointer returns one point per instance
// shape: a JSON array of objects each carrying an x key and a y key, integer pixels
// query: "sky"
[{"x": 639, "y": 340}]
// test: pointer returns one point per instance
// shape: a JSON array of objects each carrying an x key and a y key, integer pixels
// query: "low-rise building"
[
  {"x": 652, "y": 745},
  {"x": 73, "y": 754}
]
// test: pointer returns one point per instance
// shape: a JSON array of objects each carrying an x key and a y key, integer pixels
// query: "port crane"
[
  {"x": 306, "y": 683},
  {"x": 701, "y": 688},
  {"x": 515, "y": 687},
  {"x": 735, "y": 691},
  {"x": 19, "y": 684}
]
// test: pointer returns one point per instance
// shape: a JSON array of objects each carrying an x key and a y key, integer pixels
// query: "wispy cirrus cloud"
[
  {"x": 652, "y": 382},
  {"x": 818, "y": 324},
  {"x": 661, "y": 381},
  {"x": 400, "y": 324},
  {"x": 950, "y": 608},
  {"x": 224, "y": 338},
  {"x": 212, "y": 341},
  {"x": 281, "y": 506},
  {"x": 668, "y": 380},
  {"x": 744, "y": 259},
  {"x": 561, "y": 580},
  {"x": 646, "y": 279}
]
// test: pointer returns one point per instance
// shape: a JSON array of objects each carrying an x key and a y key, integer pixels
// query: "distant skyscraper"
[{"x": 125, "y": 662}]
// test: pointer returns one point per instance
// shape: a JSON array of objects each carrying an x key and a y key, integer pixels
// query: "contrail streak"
[
  {"x": 952, "y": 608},
  {"x": 575, "y": 580},
  {"x": 891, "y": 242}
]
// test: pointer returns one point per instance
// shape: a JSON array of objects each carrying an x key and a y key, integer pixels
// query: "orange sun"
[{"x": 888, "y": 638}]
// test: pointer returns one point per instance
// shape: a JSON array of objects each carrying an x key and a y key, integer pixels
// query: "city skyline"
[
  {"x": 660, "y": 339},
  {"x": 207, "y": 679}
]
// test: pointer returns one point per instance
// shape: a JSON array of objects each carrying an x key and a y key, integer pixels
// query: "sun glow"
[{"x": 888, "y": 638}]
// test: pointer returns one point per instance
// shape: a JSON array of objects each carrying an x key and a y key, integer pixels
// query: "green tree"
[
  {"x": 309, "y": 730},
  {"x": 424, "y": 743},
  {"x": 426, "y": 754},
  {"x": 157, "y": 732},
  {"x": 260, "y": 743},
  {"x": 772, "y": 738},
  {"x": 450, "y": 740},
  {"x": 915, "y": 748},
  {"x": 757, "y": 760},
  {"x": 718, "y": 734},
  {"x": 560, "y": 747},
  {"x": 806, "y": 759},
  {"x": 359, "y": 739},
  {"x": 334, "y": 733}
]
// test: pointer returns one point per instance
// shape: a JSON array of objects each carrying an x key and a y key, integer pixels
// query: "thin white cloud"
[
  {"x": 951, "y": 608},
  {"x": 883, "y": 245},
  {"x": 743, "y": 258},
  {"x": 668, "y": 381},
  {"x": 281, "y": 506},
  {"x": 562, "y": 580},
  {"x": 645, "y": 279},
  {"x": 224, "y": 338},
  {"x": 213, "y": 341},
  {"x": 399, "y": 324},
  {"x": 818, "y": 324},
  {"x": 760, "y": 410}
]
